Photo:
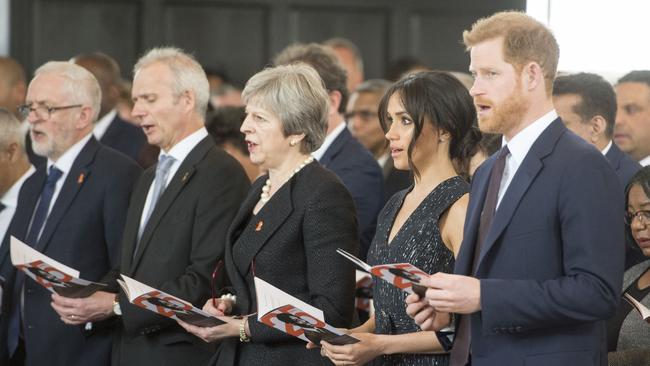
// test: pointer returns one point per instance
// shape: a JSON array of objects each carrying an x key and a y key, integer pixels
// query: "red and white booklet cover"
[
  {"x": 404, "y": 276},
  {"x": 165, "y": 304},
  {"x": 56, "y": 277},
  {"x": 281, "y": 311},
  {"x": 642, "y": 309}
]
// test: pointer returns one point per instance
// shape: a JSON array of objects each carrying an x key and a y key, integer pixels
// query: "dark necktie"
[
  {"x": 460, "y": 350},
  {"x": 38, "y": 222},
  {"x": 43, "y": 206},
  {"x": 2, "y": 206}
]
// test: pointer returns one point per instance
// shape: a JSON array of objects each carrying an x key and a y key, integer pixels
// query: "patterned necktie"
[
  {"x": 162, "y": 173},
  {"x": 43, "y": 207},
  {"x": 460, "y": 350}
]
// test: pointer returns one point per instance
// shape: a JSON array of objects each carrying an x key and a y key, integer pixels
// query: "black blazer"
[
  {"x": 125, "y": 138},
  {"x": 183, "y": 239},
  {"x": 395, "y": 180},
  {"x": 292, "y": 242},
  {"x": 362, "y": 176},
  {"x": 83, "y": 231},
  {"x": 623, "y": 164}
]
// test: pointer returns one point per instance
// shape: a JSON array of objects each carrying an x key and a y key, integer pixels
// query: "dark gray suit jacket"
[
  {"x": 180, "y": 245},
  {"x": 83, "y": 231},
  {"x": 292, "y": 242}
]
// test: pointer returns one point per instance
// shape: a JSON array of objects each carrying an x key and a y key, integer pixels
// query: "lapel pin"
[
  {"x": 81, "y": 178},
  {"x": 187, "y": 174},
  {"x": 259, "y": 226}
]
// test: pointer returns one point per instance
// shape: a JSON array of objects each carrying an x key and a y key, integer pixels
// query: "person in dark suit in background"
[
  {"x": 586, "y": 103},
  {"x": 110, "y": 129},
  {"x": 72, "y": 209},
  {"x": 340, "y": 152},
  {"x": 178, "y": 215},
  {"x": 290, "y": 225},
  {"x": 538, "y": 272},
  {"x": 363, "y": 118}
]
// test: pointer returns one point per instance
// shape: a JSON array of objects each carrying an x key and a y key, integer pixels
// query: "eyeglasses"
[
  {"x": 365, "y": 115},
  {"x": 43, "y": 111},
  {"x": 642, "y": 215}
]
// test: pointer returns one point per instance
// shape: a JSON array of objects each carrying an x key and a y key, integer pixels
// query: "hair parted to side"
[
  {"x": 324, "y": 61},
  {"x": 524, "y": 40},
  {"x": 598, "y": 97},
  {"x": 438, "y": 98},
  {"x": 10, "y": 130},
  {"x": 82, "y": 86},
  {"x": 187, "y": 73},
  {"x": 296, "y": 95}
]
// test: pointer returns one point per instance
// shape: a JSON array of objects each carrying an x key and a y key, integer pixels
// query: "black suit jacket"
[
  {"x": 623, "y": 164},
  {"x": 362, "y": 176},
  {"x": 549, "y": 270},
  {"x": 83, "y": 231},
  {"x": 395, "y": 180},
  {"x": 292, "y": 242},
  {"x": 125, "y": 138},
  {"x": 180, "y": 245}
]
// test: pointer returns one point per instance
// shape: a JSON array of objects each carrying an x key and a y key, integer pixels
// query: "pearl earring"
[{"x": 293, "y": 143}]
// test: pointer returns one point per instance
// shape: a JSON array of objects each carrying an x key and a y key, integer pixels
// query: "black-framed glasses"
[
  {"x": 43, "y": 111},
  {"x": 642, "y": 215}
]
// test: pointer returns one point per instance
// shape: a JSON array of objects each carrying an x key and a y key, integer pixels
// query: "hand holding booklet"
[
  {"x": 404, "y": 276},
  {"x": 165, "y": 304},
  {"x": 281, "y": 311},
  {"x": 47, "y": 272}
]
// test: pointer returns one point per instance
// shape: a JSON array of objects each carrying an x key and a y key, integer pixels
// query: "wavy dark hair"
[{"x": 438, "y": 98}]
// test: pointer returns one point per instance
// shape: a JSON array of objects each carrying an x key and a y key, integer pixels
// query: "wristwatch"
[{"x": 116, "y": 307}]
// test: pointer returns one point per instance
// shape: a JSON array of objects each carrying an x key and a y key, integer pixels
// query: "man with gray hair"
[
  {"x": 14, "y": 165},
  {"x": 72, "y": 209},
  {"x": 180, "y": 211},
  {"x": 350, "y": 57}
]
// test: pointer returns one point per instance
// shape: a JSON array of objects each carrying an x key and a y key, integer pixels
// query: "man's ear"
[
  {"x": 598, "y": 126},
  {"x": 335, "y": 101},
  {"x": 532, "y": 75}
]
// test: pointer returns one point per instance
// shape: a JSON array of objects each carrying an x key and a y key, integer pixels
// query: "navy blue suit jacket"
[
  {"x": 362, "y": 176},
  {"x": 549, "y": 268},
  {"x": 83, "y": 231},
  {"x": 125, "y": 138},
  {"x": 623, "y": 164}
]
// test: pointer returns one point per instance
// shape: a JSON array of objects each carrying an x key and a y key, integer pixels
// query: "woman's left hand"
[
  {"x": 214, "y": 334},
  {"x": 353, "y": 354}
]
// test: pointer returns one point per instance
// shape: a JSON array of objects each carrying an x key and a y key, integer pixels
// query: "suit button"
[
  {"x": 511, "y": 330},
  {"x": 496, "y": 330},
  {"x": 519, "y": 329},
  {"x": 30, "y": 327},
  {"x": 29, "y": 291}
]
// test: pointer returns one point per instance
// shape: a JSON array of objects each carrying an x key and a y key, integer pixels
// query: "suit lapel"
[
  {"x": 335, "y": 147},
  {"x": 131, "y": 233},
  {"x": 75, "y": 180},
  {"x": 525, "y": 175},
  {"x": 261, "y": 227},
  {"x": 111, "y": 132},
  {"x": 614, "y": 155},
  {"x": 183, "y": 176}
]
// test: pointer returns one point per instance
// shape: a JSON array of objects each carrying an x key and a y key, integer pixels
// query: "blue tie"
[
  {"x": 43, "y": 206},
  {"x": 162, "y": 173},
  {"x": 40, "y": 217}
]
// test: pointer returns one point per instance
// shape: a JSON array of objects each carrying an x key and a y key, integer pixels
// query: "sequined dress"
[{"x": 417, "y": 242}]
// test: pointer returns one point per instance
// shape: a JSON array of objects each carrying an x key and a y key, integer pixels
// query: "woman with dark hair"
[
  {"x": 628, "y": 335},
  {"x": 429, "y": 119}
]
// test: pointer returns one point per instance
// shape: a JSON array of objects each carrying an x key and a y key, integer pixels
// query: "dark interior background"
[{"x": 241, "y": 36}]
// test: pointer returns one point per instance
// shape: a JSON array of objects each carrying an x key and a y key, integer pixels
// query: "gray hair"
[
  {"x": 376, "y": 86},
  {"x": 187, "y": 73},
  {"x": 296, "y": 94},
  {"x": 10, "y": 130},
  {"x": 78, "y": 83}
]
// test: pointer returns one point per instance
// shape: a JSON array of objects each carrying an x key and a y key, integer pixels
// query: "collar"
[
  {"x": 645, "y": 161},
  {"x": 318, "y": 154},
  {"x": 103, "y": 123},
  {"x": 383, "y": 159},
  {"x": 606, "y": 149},
  {"x": 180, "y": 151},
  {"x": 10, "y": 198},
  {"x": 64, "y": 164},
  {"x": 521, "y": 143}
]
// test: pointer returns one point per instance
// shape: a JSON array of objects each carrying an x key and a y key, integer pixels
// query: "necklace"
[{"x": 265, "y": 196}]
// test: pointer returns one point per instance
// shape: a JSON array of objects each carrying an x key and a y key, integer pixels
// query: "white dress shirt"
[
  {"x": 519, "y": 146},
  {"x": 10, "y": 200},
  {"x": 606, "y": 149},
  {"x": 64, "y": 164},
  {"x": 179, "y": 152},
  {"x": 103, "y": 124},
  {"x": 318, "y": 154},
  {"x": 645, "y": 161}
]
